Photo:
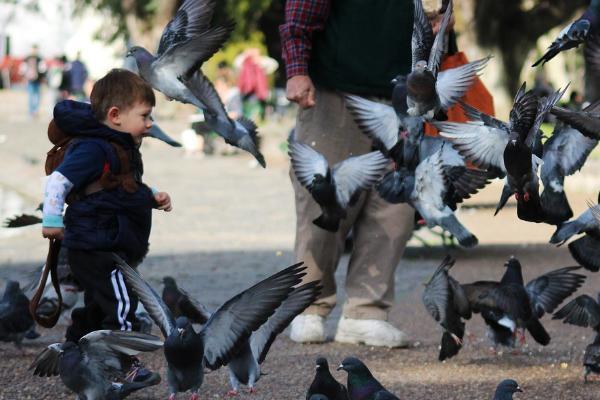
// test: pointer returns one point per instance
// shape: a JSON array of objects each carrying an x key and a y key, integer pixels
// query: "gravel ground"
[{"x": 233, "y": 225}]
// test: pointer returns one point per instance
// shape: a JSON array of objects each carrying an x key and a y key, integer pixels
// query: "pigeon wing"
[
  {"x": 582, "y": 311},
  {"x": 585, "y": 121},
  {"x": 437, "y": 49},
  {"x": 239, "y": 316},
  {"x": 476, "y": 115},
  {"x": 422, "y": 36},
  {"x": 544, "y": 107},
  {"x": 203, "y": 89},
  {"x": 591, "y": 54},
  {"x": 302, "y": 297},
  {"x": 307, "y": 162},
  {"x": 547, "y": 291},
  {"x": 357, "y": 173},
  {"x": 453, "y": 83},
  {"x": 437, "y": 291},
  {"x": 19, "y": 221},
  {"x": 152, "y": 302},
  {"x": 191, "y": 19},
  {"x": 377, "y": 120},
  {"x": 47, "y": 363},
  {"x": 481, "y": 144}
]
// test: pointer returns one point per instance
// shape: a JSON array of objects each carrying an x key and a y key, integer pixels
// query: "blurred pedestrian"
[
  {"x": 253, "y": 83},
  {"x": 78, "y": 76},
  {"x": 33, "y": 69},
  {"x": 58, "y": 81}
]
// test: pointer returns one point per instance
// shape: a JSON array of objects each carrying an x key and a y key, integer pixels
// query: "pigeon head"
[
  {"x": 183, "y": 326},
  {"x": 506, "y": 388},
  {"x": 512, "y": 262},
  {"x": 421, "y": 66},
  {"x": 12, "y": 288},
  {"x": 353, "y": 365},
  {"x": 169, "y": 281},
  {"x": 140, "y": 54},
  {"x": 322, "y": 364},
  {"x": 399, "y": 80}
]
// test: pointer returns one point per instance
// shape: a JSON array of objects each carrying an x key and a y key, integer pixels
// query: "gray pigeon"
[
  {"x": 565, "y": 152},
  {"x": 338, "y": 188},
  {"x": 188, "y": 352},
  {"x": 89, "y": 366},
  {"x": 506, "y": 389},
  {"x": 15, "y": 320},
  {"x": 244, "y": 367},
  {"x": 361, "y": 383},
  {"x": 187, "y": 41},
  {"x": 586, "y": 249},
  {"x": 585, "y": 311},
  {"x": 429, "y": 91},
  {"x": 241, "y": 132},
  {"x": 447, "y": 303}
]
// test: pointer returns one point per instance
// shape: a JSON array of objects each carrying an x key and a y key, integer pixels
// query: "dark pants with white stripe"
[{"x": 109, "y": 301}]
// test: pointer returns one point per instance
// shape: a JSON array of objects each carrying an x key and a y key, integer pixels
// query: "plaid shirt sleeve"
[{"x": 302, "y": 18}]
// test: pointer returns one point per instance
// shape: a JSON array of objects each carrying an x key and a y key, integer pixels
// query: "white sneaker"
[
  {"x": 308, "y": 328},
  {"x": 372, "y": 332}
]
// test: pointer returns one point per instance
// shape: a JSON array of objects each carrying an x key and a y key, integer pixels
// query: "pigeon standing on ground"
[
  {"x": 506, "y": 389},
  {"x": 565, "y": 152},
  {"x": 15, "y": 320},
  {"x": 244, "y": 367},
  {"x": 325, "y": 384},
  {"x": 361, "y": 383},
  {"x": 585, "y": 311},
  {"x": 338, "y": 188},
  {"x": 430, "y": 92},
  {"x": 187, "y": 352},
  {"x": 586, "y": 249},
  {"x": 509, "y": 304},
  {"x": 89, "y": 366},
  {"x": 447, "y": 303},
  {"x": 573, "y": 34}
]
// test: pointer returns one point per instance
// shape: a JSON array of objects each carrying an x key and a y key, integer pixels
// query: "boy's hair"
[{"x": 119, "y": 88}]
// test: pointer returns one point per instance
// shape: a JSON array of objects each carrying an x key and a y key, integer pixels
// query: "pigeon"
[
  {"x": 241, "y": 132},
  {"x": 338, "y": 188},
  {"x": 447, "y": 303},
  {"x": 509, "y": 304},
  {"x": 244, "y": 367},
  {"x": 318, "y": 396},
  {"x": 506, "y": 389},
  {"x": 89, "y": 366},
  {"x": 187, "y": 41},
  {"x": 511, "y": 149},
  {"x": 586, "y": 121},
  {"x": 180, "y": 303},
  {"x": 325, "y": 384},
  {"x": 429, "y": 91},
  {"x": 439, "y": 182},
  {"x": 15, "y": 319},
  {"x": 586, "y": 249},
  {"x": 21, "y": 220},
  {"x": 584, "y": 311},
  {"x": 565, "y": 152},
  {"x": 188, "y": 352},
  {"x": 572, "y": 36},
  {"x": 361, "y": 383}
]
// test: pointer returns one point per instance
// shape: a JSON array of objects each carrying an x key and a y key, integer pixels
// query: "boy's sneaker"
[
  {"x": 372, "y": 332},
  {"x": 308, "y": 328},
  {"x": 140, "y": 374}
]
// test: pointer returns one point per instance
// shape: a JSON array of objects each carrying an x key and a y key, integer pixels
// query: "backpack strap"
[{"x": 51, "y": 268}]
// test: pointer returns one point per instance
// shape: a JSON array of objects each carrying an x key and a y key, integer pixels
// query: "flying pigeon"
[
  {"x": 361, "y": 383},
  {"x": 88, "y": 367},
  {"x": 506, "y": 389},
  {"x": 338, "y": 188},
  {"x": 586, "y": 121},
  {"x": 188, "y": 352},
  {"x": 586, "y": 249},
  {"x": 572, "y": 35},
  {"x": 584, "y": 311},
  {"x": 244, "y": 366},
  {"x": 429, "y": 91},
  {"x": 15, "y": 320},
  {"x": 325, "y": 384},
  {"x": 447, "y": 303},
  {"x": 509, "y": 304}
]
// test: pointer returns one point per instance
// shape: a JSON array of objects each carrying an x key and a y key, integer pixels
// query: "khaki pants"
[{"x": 380, "y": 229}]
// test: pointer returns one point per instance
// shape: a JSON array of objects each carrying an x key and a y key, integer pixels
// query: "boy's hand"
[
  {"x": 53, "y": 233},
  {"x": 163, "y": 200}
]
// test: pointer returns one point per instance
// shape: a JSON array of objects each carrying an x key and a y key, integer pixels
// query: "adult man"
[{"x": 357, "y": 47}]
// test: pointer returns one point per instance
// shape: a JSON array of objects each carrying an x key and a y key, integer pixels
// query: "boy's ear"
[{"x": 114, "y": 115}]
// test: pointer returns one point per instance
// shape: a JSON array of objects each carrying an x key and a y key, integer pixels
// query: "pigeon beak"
[
  {"x": 394, "y": 81},
  {"x": 181, "y": 331},
  {"x": 340, "y": 367},
  {"x": 519, "y": 389}
]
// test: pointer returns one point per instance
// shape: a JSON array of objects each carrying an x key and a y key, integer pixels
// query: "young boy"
[{"x": 110, "y": 209}]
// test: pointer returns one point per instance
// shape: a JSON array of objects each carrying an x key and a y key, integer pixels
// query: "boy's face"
[{"x": 135, "y": 120}]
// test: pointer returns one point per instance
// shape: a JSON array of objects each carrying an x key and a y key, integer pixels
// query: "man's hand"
[
  {"x": 163, "y": 200},
  {"x": 53, "y": 233},
  {"x": 301, "y": 90}
]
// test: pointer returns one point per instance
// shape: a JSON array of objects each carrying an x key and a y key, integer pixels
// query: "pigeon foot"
[
  {"x": 172, "y": 396},
  {"x": 457, "y": 340},
  {"x": 194, "y": 396},
  {"x": 252, "y": 390},
  {"x": 526, "y": 196},
  {"x": 232, "y": 393}
]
